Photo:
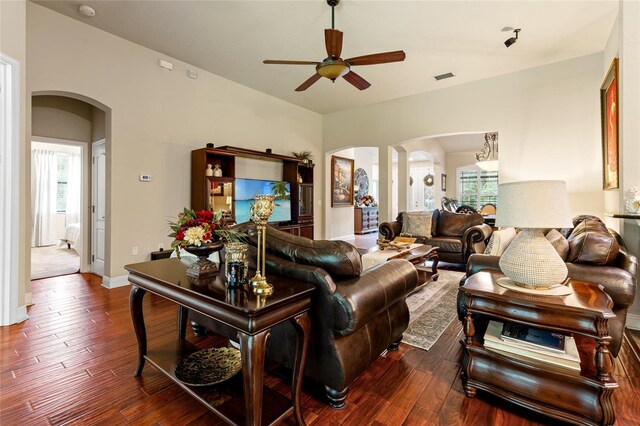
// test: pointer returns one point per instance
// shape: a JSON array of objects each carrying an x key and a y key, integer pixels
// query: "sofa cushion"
[
  {"x": 339, "y": 258},
  {"x": 591, "y": 243},
  {"x": 446, "y": 244},
  {"x": 417, "y": 224},
  {"x": 559, "y": 242},
  {"x": 455, "y": 224},
  {"x": 499, "y": 241}
]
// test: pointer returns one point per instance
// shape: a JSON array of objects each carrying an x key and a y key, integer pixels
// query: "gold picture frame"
[
  {"x": 341, "y": 181},
  {"x": 609, "y": 112}
]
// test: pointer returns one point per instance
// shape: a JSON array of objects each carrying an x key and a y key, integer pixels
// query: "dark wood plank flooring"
[{"x": 72, "y": 362}]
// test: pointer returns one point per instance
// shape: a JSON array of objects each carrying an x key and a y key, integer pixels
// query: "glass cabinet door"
[{"x": 306, "y": 200}]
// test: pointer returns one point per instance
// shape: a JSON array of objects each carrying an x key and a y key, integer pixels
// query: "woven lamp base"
[{"x": 532, "y": 262}]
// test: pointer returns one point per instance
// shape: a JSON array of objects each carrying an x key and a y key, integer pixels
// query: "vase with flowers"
[{"x": 201, "y": 233}]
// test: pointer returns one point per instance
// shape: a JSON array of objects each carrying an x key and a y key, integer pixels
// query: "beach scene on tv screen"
[{"x": 245, "y": 190}]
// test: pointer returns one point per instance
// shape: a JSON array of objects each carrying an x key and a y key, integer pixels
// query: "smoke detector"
[{"x": 86, "y": 10}]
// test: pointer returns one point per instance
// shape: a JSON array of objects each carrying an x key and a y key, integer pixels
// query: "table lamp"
[{"x": 530, "y": 262}]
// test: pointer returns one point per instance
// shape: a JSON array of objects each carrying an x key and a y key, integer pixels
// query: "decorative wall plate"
[
  {"x": 361, "y": 182},
  {"x": 209, "y": 366}
]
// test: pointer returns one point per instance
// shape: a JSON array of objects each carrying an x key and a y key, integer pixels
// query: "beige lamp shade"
[{"x": 533, "y": 204}]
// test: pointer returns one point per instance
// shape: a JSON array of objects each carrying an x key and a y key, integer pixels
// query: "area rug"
[
  {"x": 51, "y": 261},
  {"x": 432, "y": 309}
]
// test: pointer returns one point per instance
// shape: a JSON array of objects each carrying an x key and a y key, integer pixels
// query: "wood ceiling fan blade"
[
  {"x": 308, "y": 82},
  {"x": 333, "y": 42},
  {"x": 356, "y": 80},
  {"x": 377, "y": 58},
  {"x": 279, "y": 62}
]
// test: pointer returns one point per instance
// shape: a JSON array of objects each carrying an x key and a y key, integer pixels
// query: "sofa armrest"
[
  {"x": 390, "y": 230},
  {"x": 358, "y": 300},
  {"x": 616, "y": 282},
  {"x": 482, "y": 262},
  {"x": 475, "y": 238}
]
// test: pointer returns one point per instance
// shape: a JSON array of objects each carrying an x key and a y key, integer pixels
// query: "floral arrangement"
[
  {"x": 368, "y": 200},
  {"x": 197, "y": 228}
]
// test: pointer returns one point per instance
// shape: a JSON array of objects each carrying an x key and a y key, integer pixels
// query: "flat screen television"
[{"x": 246, "y": 188}]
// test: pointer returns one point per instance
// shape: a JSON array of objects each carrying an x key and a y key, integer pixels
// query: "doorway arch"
[{"x": 100, "y": 130}]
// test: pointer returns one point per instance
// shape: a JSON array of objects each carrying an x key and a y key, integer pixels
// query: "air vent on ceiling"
[{"x": 443, "y": 76}]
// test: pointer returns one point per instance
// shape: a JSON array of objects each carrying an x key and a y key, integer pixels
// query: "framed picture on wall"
[
  {"x": 609, "y": 109},
  {"x": 443, "y": 182},
  {"x": 341, "y": 181}
]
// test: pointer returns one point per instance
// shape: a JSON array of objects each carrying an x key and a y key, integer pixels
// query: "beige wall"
[
  {"x": 548, "y": 119},
  {"x": 61, "y": 118},
  {"x": 157, "y": 118},
  {"x": 456, "y": 160},
  {"x": 13, "y": 26}
]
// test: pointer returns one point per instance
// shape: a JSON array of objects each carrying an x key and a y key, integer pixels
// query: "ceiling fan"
[{"x": 333, "y": 66}]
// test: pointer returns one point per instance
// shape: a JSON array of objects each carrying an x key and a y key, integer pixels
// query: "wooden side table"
[
  {"x": 584, "y": 398},
  {"x": 236, "y": 401}
]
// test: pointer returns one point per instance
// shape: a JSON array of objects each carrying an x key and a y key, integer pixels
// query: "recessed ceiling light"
[
  {"x": 86, "y": 10},
  {"x": 443, "y": 76}
]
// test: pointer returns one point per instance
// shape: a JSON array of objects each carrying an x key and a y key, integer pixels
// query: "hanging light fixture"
[{"x": 488, "y": 157}]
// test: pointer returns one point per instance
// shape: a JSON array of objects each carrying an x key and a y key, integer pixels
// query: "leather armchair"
[
  {"x": 355, "y": 315},
  {"x": 618, "y": 281},
  {"x": 456, "y": 235}
]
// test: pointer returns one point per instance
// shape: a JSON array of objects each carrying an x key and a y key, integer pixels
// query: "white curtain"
[
  {"x": 73, "y": 189},
  {"x": 44, "y": 181}
]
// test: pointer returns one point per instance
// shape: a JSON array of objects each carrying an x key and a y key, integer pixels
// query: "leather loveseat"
[
  {"x": 456, "y": 235},
  {"x": 595, "y": 254},
  {"x": 355, "y": 315}
]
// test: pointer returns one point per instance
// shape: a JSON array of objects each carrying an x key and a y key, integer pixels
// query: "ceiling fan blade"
[
  {"x": 308, "y": 83},
  {"x": 377, "y": 58},
  {"x": 333, "y": 42},
  {"x": 356, "y": 80},
  {"x": 278, "y": 62}
]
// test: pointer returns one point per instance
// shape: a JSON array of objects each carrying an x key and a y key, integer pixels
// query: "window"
[
  {"x": 477, "y": 187},
  {"x": 63, "y": 174}
]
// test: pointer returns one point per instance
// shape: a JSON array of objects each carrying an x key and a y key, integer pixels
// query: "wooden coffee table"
[
  {"x": 584, "y": 397},
  {"x": 418, "y": 256}
]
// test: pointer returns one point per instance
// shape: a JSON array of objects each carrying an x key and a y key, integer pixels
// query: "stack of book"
[{"x": 532, "y": 343}]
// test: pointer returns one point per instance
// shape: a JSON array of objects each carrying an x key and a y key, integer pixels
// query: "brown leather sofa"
[
  {"x": 589, "y": 259},
  {"x": 456, "y": 235},
  {"x": 355, "y": 315}
]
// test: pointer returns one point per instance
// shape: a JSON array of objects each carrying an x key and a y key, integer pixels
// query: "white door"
[{"x": 98, "y": 208}]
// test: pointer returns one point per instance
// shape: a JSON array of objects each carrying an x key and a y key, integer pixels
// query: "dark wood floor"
[{"x": 72, "y": 362}]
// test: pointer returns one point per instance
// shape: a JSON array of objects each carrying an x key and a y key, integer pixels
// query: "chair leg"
[
  {"x": 337, "y": 399},
  {"x": 198, "y": 330},
  {"x": 395, "y": 345}
]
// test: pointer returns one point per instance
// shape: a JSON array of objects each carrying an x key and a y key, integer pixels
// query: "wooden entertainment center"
[{"x": 214, "y": 192}]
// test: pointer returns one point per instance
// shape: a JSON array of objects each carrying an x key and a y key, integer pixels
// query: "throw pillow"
[
  {"x": 559, "y": 242},
  {"x": 499, "y": 241},
  {"x": 591, "y": 243},
  {"x": 417, "y": 224},
  {"x": 456, "y": 224}
]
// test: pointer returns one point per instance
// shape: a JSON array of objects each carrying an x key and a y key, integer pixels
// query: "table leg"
[
  {"x": 469, "y": 328},
  {"x": 253, "y": 349},
  {"x": 302, "y": 325},
  {"x": 603, "y": 359},
  {"x": 434, "y": 267},
  {"x": 137, "y": 317},
  {"x": 182, "y": 322}
]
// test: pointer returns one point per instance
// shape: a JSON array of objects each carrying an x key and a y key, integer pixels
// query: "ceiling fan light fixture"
[{"x": 332, "y": 69}]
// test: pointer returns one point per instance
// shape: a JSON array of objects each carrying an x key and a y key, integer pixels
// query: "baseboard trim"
[
  {"x": 345, "y": 237},
  {"x": 633, "y": 321},
  {"x": 28, "y": 300},
  {"x": 114, "y": 282},
  {"x": 22, "y": 313}
]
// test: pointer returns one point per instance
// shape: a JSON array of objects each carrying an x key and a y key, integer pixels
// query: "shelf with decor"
[{"x": 219, "y": 192}]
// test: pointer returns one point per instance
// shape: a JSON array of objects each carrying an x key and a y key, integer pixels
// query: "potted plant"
[{"x": 304, "y": 155}]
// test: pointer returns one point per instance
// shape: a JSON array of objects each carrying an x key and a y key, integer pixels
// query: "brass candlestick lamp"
[{"x": 261, "y": 209}]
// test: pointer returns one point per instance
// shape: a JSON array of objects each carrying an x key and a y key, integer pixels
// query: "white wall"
[
  {"x": 157, "y": 118},
  {"x": 548, "y": 119}
]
